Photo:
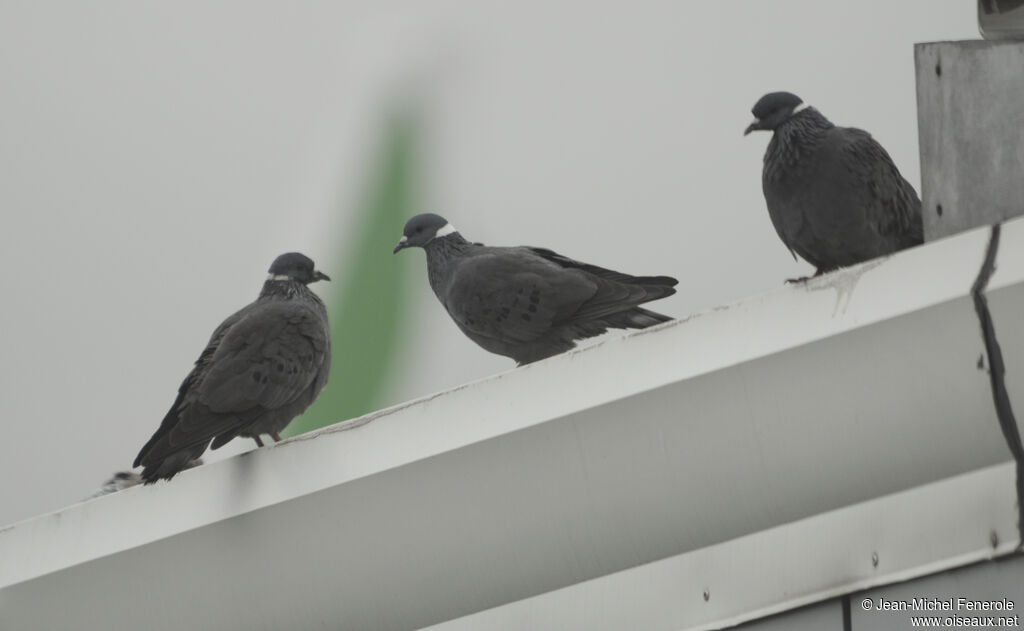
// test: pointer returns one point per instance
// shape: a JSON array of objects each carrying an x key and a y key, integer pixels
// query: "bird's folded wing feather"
[
  {"x": 893, "y": 206},
  {"x": 511, "y": 294},
  {"x": 785, "y": 219},
  {"x": 264, "y": 361},
  {"x": 611, "y": 298},
  {"x": 186, "y": 390},
  {"x": 267, "y": 359},
  {"x": 602, "y": 272},
  {"x": 616, "y": 291}
]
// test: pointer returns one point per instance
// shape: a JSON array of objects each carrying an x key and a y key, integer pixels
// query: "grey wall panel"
[
  {"x": 971, "y": 130},
  {"x": 992, "y": 581}
]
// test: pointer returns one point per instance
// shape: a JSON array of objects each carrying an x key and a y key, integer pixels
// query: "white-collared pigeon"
[
  {"x": 833, "y": 193},
  {"x": 262, "y": 367},
  {"x": 528, "y": 303}
]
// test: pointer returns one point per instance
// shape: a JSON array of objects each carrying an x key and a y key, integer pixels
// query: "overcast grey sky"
[{"x": 157, "y": 156}]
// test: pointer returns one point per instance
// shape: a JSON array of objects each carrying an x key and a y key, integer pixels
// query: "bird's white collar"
[
  {"x": 800, "y": 108},
  {"x": 445, "y": 230},
  {"x": 278, "y": 277}
]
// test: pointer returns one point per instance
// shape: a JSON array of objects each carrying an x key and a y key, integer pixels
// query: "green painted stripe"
[{"x": 368, "y": 307}]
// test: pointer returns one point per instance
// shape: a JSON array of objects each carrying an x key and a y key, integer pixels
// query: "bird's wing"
[
  {"x": 612, "y": 297},
  {"x": 513, "y": 295},
  {"x": 615, "y": 291},
  {"x": 267, "y": 359},
  {"x": 778, "y": 196},
  {"x": 786, "y": 224},
  {"x": 185, "y": 390},
  {"x": 601, "y": 272},
  {"x": 892, "y": 204}
]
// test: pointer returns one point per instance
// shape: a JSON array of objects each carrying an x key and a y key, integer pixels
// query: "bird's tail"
[
  {"x": 656, "y": 281},
  {"x": 637, "y": 318},
  {"x": 655, "y": 287},
  {"x": 170, "y": 466}
]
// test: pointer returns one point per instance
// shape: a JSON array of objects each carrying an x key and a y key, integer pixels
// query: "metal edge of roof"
[
  {"x": 675, "y": 352},
  {"x": 864, "y": 545}
]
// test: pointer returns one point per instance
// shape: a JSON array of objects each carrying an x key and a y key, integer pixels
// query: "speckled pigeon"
[
  {"x": 528, "y": 303},
  {"x": 833, "y": 193},
  {"x": 262, "y": 367}
]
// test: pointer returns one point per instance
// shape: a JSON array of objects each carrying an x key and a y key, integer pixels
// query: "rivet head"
[
  {"x": 707, "y": 595},
  {"x": 874, "y": 559}
]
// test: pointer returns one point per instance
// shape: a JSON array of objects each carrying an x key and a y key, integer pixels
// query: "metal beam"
[{"x": 677, "y": 441}]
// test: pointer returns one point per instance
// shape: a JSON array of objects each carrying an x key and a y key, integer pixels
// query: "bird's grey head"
[
  {"x": 422, "y": 229},
  {"x": 773, "y": 109},
  {"x": 297, "y": 267}
]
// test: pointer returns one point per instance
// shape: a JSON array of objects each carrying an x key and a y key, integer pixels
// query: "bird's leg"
[
  {"x": 276, "y": 436},
  {"x": 259, "y": 443}
]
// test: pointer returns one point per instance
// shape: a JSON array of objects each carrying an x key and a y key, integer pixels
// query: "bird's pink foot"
[
  {"x": 804, "y": 279},
  {"x": 276, "y": 436},
  {"x": 259, "y": 443}
]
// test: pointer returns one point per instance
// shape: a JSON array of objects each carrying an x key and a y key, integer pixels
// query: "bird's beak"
[
  {"x": 318, "y": 275},
  {"x": 753, "y": 126},
  {"x": 402, "y": 244}
]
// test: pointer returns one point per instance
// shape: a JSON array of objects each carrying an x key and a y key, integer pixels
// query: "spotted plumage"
[
  {"x": 528, "y": 303},
  {"x": 262, "y": 367},
  {"x": 834, "y": 195}
]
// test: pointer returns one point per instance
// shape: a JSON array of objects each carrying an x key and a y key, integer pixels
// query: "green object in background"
[{"x": 367, "y": 308}]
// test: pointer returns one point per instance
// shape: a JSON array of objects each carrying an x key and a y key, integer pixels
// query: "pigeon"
[
  {"x": 528, "y": 303},
  {"x": 126, "y": 479},
  {"x": 833, "y": 193},
  {"x": 262, "y": 367}
]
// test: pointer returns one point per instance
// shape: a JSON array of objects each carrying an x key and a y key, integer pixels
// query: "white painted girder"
[
  {"x": 688, "y": 441},
  {"x": 768, "y": 571}
]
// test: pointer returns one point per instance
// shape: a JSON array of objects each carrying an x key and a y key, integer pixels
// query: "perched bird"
[
  {"x": 126, "y": 479},
  {"x": 528, "y": 303},
  {"x": 262, "y": 367},
  {"x": 833, "y": 193}
]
